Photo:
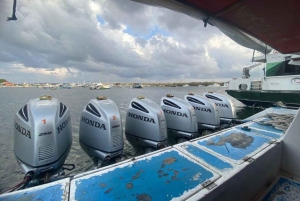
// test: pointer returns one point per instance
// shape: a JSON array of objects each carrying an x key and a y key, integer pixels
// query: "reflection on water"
[{"x": 12, "y": 99}]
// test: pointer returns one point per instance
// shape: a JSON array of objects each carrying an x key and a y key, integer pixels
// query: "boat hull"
[{"x": 260, "y": 98}]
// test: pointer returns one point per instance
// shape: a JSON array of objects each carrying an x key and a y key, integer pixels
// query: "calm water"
[{"x": 12, "y": 99}]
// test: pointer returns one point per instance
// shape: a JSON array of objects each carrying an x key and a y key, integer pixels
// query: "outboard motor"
[
  {"x": 145, "y": 125},
  {"x": 181, "y": 118},
  {"x": 206, "y": 112},
  {"x": 42, "y": 137},
  {"x": 100, "y": 131},
  {"x": 225, "y": 107}
]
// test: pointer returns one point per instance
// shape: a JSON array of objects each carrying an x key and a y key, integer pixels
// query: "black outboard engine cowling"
[
  {"x": 42, "y": 136},
  {"x": 181, "y": 118},
  {"x": 225, "y": 107},
  {"x": 206, "y": 112},
  {"x": 145, "y": 125},
  {"x": 100, "y": 130}
]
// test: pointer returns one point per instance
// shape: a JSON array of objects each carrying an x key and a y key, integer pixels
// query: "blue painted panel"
[
  {"x": 283, "y": 190},
  {"x": 234, "y": 144},
  {"x": 266, "y": 128},
  {"x": 54, "y": 192},
  {"x": 161, "y": 177},
  {"x": 208, "y": 158},
  {"x": 265, "y": 132}
]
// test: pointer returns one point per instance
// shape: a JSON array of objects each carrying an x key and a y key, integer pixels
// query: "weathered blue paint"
[
  {"x": 234, "y": 144},
  {"x": 161, "y": 177},
  {"x": 208, "y": 158},
  {"x": 55, "y": 191},
  {"x": 266, "y": 128},
  {"x": 283, "y": 190},
  {"x": 265, "y": 132}
]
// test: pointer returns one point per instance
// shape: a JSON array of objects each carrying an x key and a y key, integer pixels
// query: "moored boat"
[
  {"x": 281, "y": 82},
  {"x": 137, "y": 85}
]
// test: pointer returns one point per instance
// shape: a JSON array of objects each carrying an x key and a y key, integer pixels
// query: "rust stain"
[
  {"x": 169, "y": 160},
  {"x": 137, "y": 175},
  {"x": 108, "y": 190},
  {"x": 174, "y": 177},
  {"x": 129, "y": 185},
  {"x": 237, "y": 140},
  {"x": 144, "y": 197},
  {"x": 103, "y": 185}
]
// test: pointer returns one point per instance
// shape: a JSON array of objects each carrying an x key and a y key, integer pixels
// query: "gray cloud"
[{"x": 52, "y": 35}]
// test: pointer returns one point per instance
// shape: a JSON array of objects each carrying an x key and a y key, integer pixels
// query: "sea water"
[{"x": 12, "y": 99}]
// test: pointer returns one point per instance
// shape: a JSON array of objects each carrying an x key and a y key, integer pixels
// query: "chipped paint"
[
  {"x": 283, "y": 189},
  {"x": 129, "y": 185},
  {"x": 207, "y": 157},
  {"x": 179, "y": 174},
  {"x": 144, "y": 197},
  {"x": 237, "y": 140},
  {"x": 58, "y": 190},
  {"x": 197, "y": 176},
  {"x": 169, "y": 161},
  {"x": 234, "y": 151}
]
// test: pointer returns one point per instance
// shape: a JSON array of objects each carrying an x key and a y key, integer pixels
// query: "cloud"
[{"x": 75, "y": 39}]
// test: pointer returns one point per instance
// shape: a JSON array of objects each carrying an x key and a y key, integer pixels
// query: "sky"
[{"x": 112, "y": 40}]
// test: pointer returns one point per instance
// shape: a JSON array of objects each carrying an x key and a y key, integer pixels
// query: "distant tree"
[{"x": 2, "y": 80}]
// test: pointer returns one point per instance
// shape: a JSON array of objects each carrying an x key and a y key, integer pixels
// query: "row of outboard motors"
[{"x": 43, "y": 133}]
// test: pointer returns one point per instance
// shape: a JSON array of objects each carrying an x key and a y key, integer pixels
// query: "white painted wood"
[{"x": 291, "y": 148}]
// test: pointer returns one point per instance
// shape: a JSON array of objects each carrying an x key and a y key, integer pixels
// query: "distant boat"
[
  {"x": 137, "y": 85},
  {"x": 99, "y": 86},
  {"x": 118, "y": 84},
  {"x": 104, "y": 86},
  {"x": 186, "y": 85}
]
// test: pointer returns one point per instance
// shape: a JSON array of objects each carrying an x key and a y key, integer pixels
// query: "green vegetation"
[{"x": 2, "y": 80}]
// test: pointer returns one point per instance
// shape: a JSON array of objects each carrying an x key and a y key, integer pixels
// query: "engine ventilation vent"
[
  {"x": 62, "y": 109},
  {"x": 92, "y": 109},
  {"x": 117, "y": 141},
  {"x": 45, "y": 152},
  {"x": 169, "y": 103},
  {"x": 24, "y": 113},
  {"x": 194, "y": 100},
  {"x": 212, "y": 97},
  {"x": 139, "y": 107}
]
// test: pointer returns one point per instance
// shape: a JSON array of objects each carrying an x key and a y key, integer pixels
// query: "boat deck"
[
  {"x": 282, "y": 189},
  {"x": 234, "y": 164}
]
